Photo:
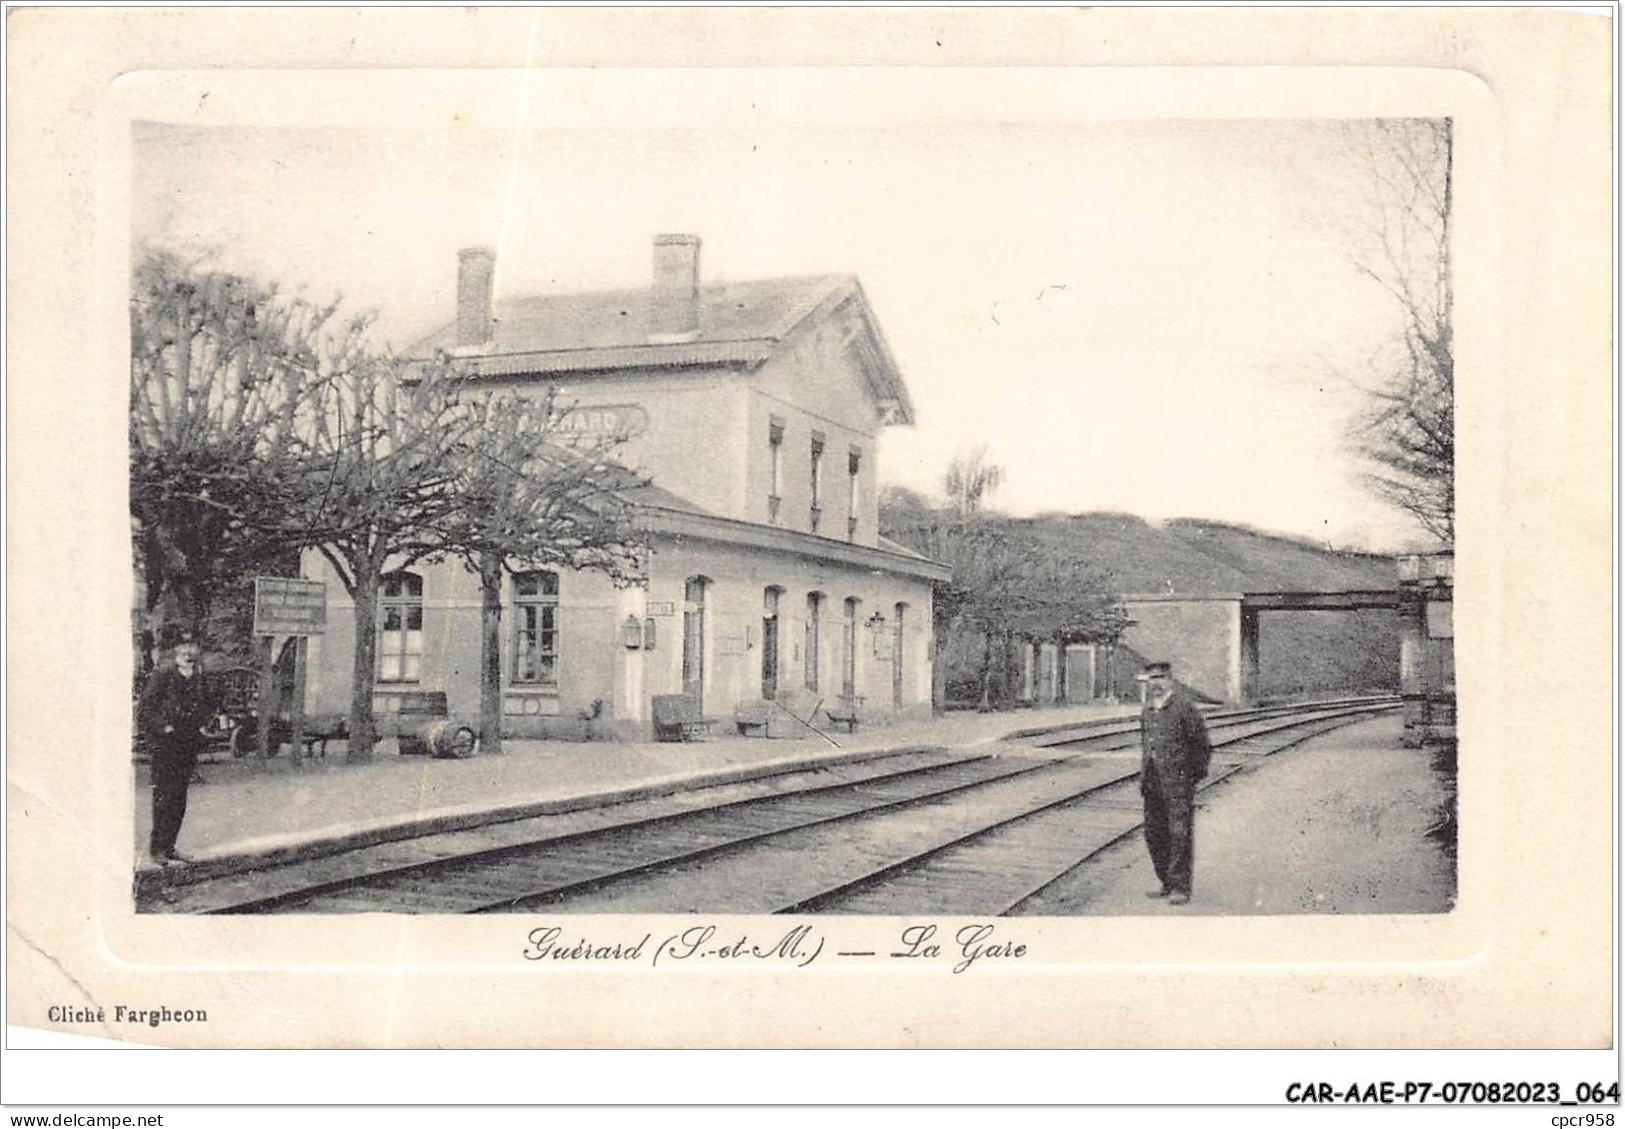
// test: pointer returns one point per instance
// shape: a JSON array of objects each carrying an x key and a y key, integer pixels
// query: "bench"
[
  {"x": 322, "y": 728},
  {"x": 788, "y": 714},
  {"x": 798, "y": 703},
  {"x": 677, "y": 718},
  {"x": 236, "y": 728},
  {"x": 412, "y": 713},
  {"x": 753, "y": 715},
  {"x": 319, "y": 730},
  {"x": 845, "y": 710}
]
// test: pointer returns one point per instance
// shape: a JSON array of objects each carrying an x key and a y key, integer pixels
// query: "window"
[
  {"x": 775, "y": 446},
  {"x": 815, "y": 605},
  {"x": 817, "y": 479},
  {"x": 854, "y": 462},
  {"x": 536, "y": 629},
  {"x": 400, "y": 644}
]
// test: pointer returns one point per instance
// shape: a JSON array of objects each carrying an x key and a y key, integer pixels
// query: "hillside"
[
  {"x": 1299, "y": 652},
  {"x": 1205, "y": 557}
]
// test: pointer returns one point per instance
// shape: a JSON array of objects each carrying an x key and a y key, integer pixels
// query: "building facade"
[{"x": 754, "y": 409}]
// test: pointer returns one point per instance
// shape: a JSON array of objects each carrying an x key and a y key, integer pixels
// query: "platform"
[
  {"x": 1348, "y": 822},
  {"x": 247, "y": 811}
]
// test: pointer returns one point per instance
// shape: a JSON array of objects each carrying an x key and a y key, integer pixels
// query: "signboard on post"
[
  {"x": 285, "y": 605},
  {"x": 288, "y": 606}
]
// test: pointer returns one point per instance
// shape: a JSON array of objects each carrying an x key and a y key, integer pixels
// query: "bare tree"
[
  {"x": 534, "y": 490},
  {"x": 1007, "y": 584},
  {"x": 987, "y": 590},
  {"x": 259, "y": 426},
  {"x": 1407, "y": 430},
  {"x": 1014, "y": 587},
  {"x": 222, "y": 370},
  {"x": 389, "y": 434},
  {"x": 970, "y": 478}
]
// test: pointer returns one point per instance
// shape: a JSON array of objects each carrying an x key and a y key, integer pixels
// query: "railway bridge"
[{"x": 1214, "y": 638}]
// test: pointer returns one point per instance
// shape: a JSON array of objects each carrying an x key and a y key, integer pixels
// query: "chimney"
[
  {"x": 674, "y": 304},
  {"x": 476, "y": 266}
]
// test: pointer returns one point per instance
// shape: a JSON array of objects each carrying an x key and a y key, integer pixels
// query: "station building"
[{"x": 755, "y": 409}]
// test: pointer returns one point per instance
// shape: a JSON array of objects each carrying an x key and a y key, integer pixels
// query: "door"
[
  {"x": 849, "y": 651},
  {"x": 897, "y": 657},
  {"x": 770, "y": 643},
  {"x": 815, "y": 606},
  {"x": 694, "y": 641}
]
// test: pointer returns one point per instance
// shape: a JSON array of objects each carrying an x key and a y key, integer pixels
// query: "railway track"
[{"x": 980, "y": 830}]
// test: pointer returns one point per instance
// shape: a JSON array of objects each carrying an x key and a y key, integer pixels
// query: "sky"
[{"x": 1153, "y": 316}]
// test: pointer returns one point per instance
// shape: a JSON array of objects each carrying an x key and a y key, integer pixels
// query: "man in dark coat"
[
  {"x": 1174, "y": 755},
  {"x": 173, "y": 716}
]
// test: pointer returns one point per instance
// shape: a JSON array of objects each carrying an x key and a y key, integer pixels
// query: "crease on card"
[
  {"x": 78, "y": 986},
  {"x": 515, "y": 154},
  {"x": 402, "y": 968}
]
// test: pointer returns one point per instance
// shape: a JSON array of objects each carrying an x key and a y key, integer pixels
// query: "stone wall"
[{"x": 1200, "y": 636}]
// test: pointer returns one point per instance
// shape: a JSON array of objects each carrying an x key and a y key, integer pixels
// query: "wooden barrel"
[{"x": 450, "y": 739}]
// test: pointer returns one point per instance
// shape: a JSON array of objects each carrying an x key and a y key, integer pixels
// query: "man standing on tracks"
[
  {"x": 1174, "y": 755},
  {"x": 173, "y": 715}
]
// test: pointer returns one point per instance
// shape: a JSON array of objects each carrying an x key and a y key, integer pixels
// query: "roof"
[
  {"x": 634, "y": 490},
  {"x": 662, "y": 511},
  {"x": 741, "y": 324},
  {"x": 650, "y": 495},
  {"x": 760, "y": 312},
  {"x": 695, "y": 523},
  {"x": 891, "y": 546}
]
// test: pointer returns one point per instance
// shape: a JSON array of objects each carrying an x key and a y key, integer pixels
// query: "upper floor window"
[
  {"x": 400, "y": 642},
  {"x": 854, "y": 462},
  {"x": 775, "y": 447},
  {"x": 536, "y": 629},
  {"x": 817, "y": 479}
]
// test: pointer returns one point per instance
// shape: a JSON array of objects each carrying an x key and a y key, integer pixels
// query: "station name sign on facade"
[
  {"x": 603, "y": 421},
  {"x": 286, "y": 606}
]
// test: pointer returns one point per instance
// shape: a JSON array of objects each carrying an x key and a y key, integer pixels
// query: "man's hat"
[
  {"x": 174, "y": 635},
  {"x": 1155, "y": 670}
]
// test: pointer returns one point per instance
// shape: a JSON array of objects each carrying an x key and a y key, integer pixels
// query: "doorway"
[
  {"x": 694, "y": 640},
  {"x": 849, "y": 651},
  {"x": 897, "y": 657},
  {"x": 770, "y": 642},
  {"x": 815, "y": 607}
]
